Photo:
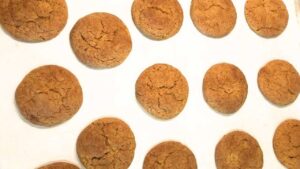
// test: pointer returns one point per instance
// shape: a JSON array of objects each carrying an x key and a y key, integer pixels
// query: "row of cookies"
[
  {"x": 102, "y": 40},
  {"x": 163, "y": 91},
  {"x": 110, "y": 143},
  {"x": 159, "y": 19},
  {"x": 50, "y": 95}
]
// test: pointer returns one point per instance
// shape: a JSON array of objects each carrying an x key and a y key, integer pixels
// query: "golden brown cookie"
[
  {"x": 59, "y": 165},
  {"x": 214, "y": 18},
  {"x": 267, "y": 18},
  {"x": 169, "y": 155},
  {"x": 225, "y": 88},
  {"x": 162, "y": 90},
  {"x": 279, "y": 82},
  {"x": 286, "y": 143},
  {"x": 238, "y": 150},
  {"x": 101, "y": 40},
  {"x": 157, "y": 19},
  {"x": 107, "y": 143},
  {"x": 49, "y": 95},
  {"x": 32, "y": 20}
]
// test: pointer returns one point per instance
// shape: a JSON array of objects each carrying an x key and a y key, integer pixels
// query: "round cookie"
[
  {"x": 49, "y": 95},
  {"x": 157, "y": 19},
  {"x": 162, "y": 90},
  {"x": 279, "y": 82},
  {"x": 267, "y": 18},
  {"x": 59, "y": 165},
  {"x": 238, "y": 150},
  {"x": 225, "y": 88},
  {"x": 286, "y": 143},
  {"x": 214, "y": 18},
  {"x": 170, "y": 154},
  {"x": 106, "y": 143},
  {"x": 101, "y": 40},
  {"x": 32, "y": 20}
]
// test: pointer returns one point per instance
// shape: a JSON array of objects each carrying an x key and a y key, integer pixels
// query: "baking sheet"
[{"x": 111, "y": 92}]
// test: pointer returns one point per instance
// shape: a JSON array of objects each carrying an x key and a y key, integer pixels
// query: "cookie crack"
[
  {"x": 214, "y": 5},
  {"x": 159, "y": 9}
]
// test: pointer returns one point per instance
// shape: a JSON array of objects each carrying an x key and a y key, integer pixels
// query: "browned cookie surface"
[
  {"x": 59, "y": 165},
  {"x": 101, "y": 40},
  {"x": 267, "y": 18},
  {"x": 215, "y": 18},
  {"x": 225, "y": 88},
  {"x": 157, "y": 19},
  {"x": 49, "y": 95},
  {"x": 170, "y": 155},
  {"x": 286, "y": 143},
  {"x": 279, "y": 82},
  {"x": 107, "y": 143},
  {"x": 238, "y": 150},
  {"x": 32, "y": 20},
  {"x": 162, "y": 90}
]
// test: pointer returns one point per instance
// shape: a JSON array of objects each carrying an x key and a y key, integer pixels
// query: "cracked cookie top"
[
  {"x": 101, "y": 40},
  {"x": 214, "y": 18},
  {"x": 169, "y": 155},
  {"x": 225, "y": 88},
  {"x": 286, "y": 143},
  {"x": 32, "y": 20},
  {"x": 162, "y": 90},
  {"x": 267, "y": 18},
  {"x": 279, "y": 82},
  {"x": 59, "y": 165},
  {"x": 49, "y": 95},
  {"x": 157, "y": 19},
  {"x": 238, "y": 150},
  {"x": 107, "y": 143}
]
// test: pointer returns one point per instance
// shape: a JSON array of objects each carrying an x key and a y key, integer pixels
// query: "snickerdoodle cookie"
[
  {"x": 225, "y": 88},
  {"x": 157, "y": 19},
  {"x": 214, "y": 18},
  {"x": 107, "y": 143},
  {"x": 286, "y": 143},
  {"x": 32, "y": 20},
  {"x": 279, "y": 82},
  {"x": 169, "y": 155},
  {"x": 267, "y": 18},
  {"x": 162, "y": 90},
  {"x": 101, "y": 40},
  {"x": 49, "y": 95},
  {"x": 238, "y": 150}
]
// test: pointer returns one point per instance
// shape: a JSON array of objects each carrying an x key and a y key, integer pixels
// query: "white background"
[{"x": 111, "y": 92}]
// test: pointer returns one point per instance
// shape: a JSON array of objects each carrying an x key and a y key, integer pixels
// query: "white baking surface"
[{"x": 111, "y": 92}]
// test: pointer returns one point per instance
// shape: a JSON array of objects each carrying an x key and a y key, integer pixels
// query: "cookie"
[
  {"x": 238, "y": 150},
  {"x": 101, "y": 40},
  {"x": 286, "y": 143},
  {"x": 225, "y": 88},
  {"x": 170, "y": 154},
  {"x": 157, "y": 19},
  {"x": 49, "y": 95},
  {"x": 59, "y": 165},
  {"x": 162, "y": 91},
  {"x": 279, "y": 82},
  {"x": 106, "y": 143},
  {"x": 214, "y": 18},
  {"x": 33, "y": 21},
  {"x": 267, "y": 18}
]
